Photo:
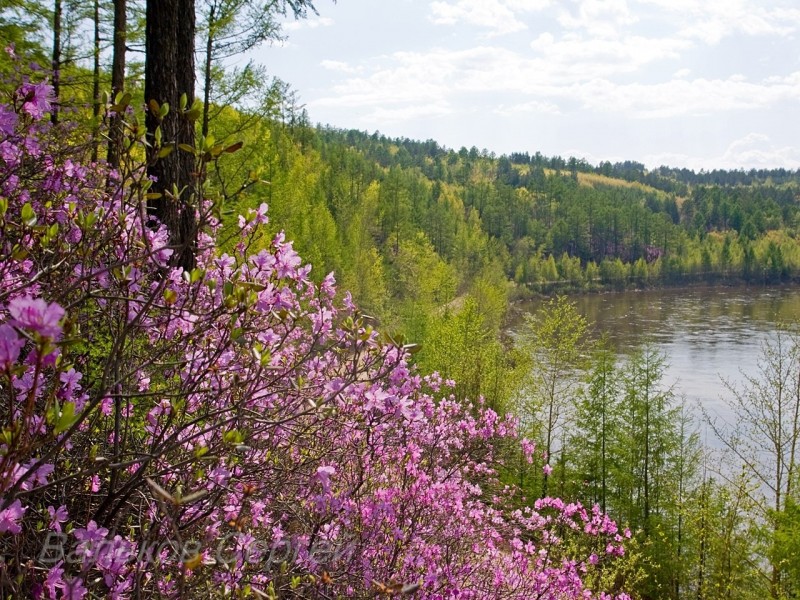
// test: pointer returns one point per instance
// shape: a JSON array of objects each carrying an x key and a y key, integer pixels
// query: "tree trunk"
[
  {"x": 207, "y": 74},
  {"x": 56, "y": 62},
  {"x": 169, "y": 73},
  {"x": 96, "y": 80},
  {"x": 117, "y": 80}
]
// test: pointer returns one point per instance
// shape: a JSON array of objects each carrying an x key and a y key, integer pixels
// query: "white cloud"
[
  {"x": 534, "y": 106},
  {"x": 585, "y": 73},
  {"x": 756, "y": 150},
  {"x": 499, "y": 17},
  {"x": 409, "y": 77},
  {"x": 308, "y": 23},
  {"x": 599, "y": 18},
  {"x": 753, "y": 151},
  {"x": 608, "y": 62},
  {"x": 598, "y": 57},
  {"x": 338, "y": 65},
  {"x": 710, "y": 21},
  {"x": 681, "y": 97},
  {"x": 383, "y": 115}
]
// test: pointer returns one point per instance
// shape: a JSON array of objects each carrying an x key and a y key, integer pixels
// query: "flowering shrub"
[{"x": 232, "y": 431}]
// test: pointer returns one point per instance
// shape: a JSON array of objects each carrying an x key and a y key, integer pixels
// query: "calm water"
[{"x": 706, "y": 333}]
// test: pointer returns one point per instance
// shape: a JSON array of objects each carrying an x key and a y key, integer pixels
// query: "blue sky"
[{"x": 694, "y": 83}]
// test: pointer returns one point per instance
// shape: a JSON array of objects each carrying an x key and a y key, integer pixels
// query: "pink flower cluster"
[{"x": 234, "y": 428}]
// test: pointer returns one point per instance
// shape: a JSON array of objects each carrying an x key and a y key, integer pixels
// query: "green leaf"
[
  {"x": 19, "y": 253},
  {"x": 194, "y": 113},
  {"x": 232, "y": 436},
  {"x": 90, "y": 219},
  {"x": 67, "y": 418},
  {"x": 29, "y": 215},
  {"x": 166, "y": 150}
]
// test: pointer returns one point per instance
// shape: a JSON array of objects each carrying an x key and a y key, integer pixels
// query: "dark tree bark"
[
  {"x": 96, "y": 80},
  {"x": 169, "y": 73},
  {"x": 209, "y": 63},
  {"x": 117, "y": 80},
  {"x": 56, "y": 62}
]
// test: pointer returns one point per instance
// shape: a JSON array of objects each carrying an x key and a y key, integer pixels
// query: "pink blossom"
[
  {"x": 55, "y": 579},
  {"x": 70, "y": 380},
  {"x": 106, "y": 406},
  {"x": 74, "y": 589},
  {"x": 10, "y": 518},
  {"x": 10, "y": 345},
  {"x": 324, "y": 474},
  {"x": 8, "y": 120},
  {"x": 10, "y": 153},
  {"x": 37, "y": 315},
  {"x": 272, "y": 403},
  {"x": 57, "y": 517},
  {"x": 261, "y": 214},
  {"x": 287, "y": 262},
  {"x": 38, "y": 98},
  {"x": 528, "y": 449}
]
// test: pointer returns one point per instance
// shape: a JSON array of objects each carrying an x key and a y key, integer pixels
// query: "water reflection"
[{"x": 707, "y": 334}]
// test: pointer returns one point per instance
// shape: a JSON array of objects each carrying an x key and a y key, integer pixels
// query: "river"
[{"x": 706, "y": 333}]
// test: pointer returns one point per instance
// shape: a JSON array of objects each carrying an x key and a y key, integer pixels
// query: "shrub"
[{"x": 233, "y": 431}]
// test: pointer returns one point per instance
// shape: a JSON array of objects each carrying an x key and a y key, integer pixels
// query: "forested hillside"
[
  {"x": 545, "y": 224},
  {"x": 412, "y": 229}
]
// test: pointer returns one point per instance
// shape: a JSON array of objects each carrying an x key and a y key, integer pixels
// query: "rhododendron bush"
[{"x": 236, "y": 430}]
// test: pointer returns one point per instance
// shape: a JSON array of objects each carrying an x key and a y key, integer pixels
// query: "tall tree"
[
  {"x": 117, "y": 79},
  {"x": 55, "y": 64},
  {"x": 765, "y": 436},
  {"x": 232, "y": 27},
  {"x": 95, "y": 77},
  {"x": 555, "y": 338},
  {"x": 597, "y": 416},
  {"x": 24, "y": 25},
  {"x": 169, "y": 76},
  {"x": 648, "y": 438}
]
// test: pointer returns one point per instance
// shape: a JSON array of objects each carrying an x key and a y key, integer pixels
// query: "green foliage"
[
  {"x": 786, "y": 548},
  {"x": 462, "y": 342},
  {"x": 555, "y": 338}
]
